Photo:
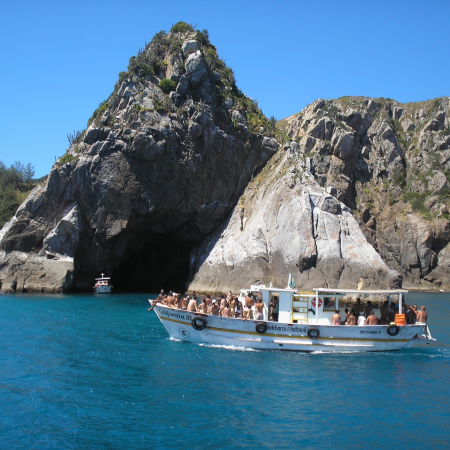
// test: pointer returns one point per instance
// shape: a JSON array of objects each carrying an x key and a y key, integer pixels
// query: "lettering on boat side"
[
  {"x": 369, "y": 332},
  {"x": 290, "y": 329},
  {"x": 173, "y": 314}
]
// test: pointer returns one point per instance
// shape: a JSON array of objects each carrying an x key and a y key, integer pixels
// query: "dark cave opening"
[{"x": 159, "y": 265}]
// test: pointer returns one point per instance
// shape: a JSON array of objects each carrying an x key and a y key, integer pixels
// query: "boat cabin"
[
  {"x": 316, "y": 307},
  {"x": 103, "y": 281}
]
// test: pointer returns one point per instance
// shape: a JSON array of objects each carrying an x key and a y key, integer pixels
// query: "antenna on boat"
[{"x": 103, "y": 275}]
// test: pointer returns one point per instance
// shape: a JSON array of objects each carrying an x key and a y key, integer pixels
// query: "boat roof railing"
[
  {"x": 323, "y": 291},
  {"x": 361, "y": 291}
]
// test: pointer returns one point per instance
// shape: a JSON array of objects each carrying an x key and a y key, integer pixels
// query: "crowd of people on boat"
[
  {"x": 245, "y": 307},
  {"x": 361, "y": 315},
  {"x": 251, "y": 306}
]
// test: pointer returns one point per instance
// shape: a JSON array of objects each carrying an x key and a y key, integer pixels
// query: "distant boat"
[{"x": 102, "y": 285}]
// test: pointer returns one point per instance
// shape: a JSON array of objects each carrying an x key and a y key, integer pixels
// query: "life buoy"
[
  {"x": 198, "y": 323},
  {"x": 314, "y": 302},
  {"x": 393, "y": 330},
  {"x": 261, "y": 328},
  {"x": 313, "y": 333}
]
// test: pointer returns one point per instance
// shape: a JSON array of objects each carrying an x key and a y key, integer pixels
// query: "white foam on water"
[{"x": 229, "y": 347}]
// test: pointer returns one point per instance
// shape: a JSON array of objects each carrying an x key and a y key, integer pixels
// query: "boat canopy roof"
[
  {"x": 362, "y": 291},
  {"x": 106, "y": 278}
]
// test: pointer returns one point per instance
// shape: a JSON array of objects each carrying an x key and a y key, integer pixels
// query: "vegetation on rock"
[{"x": 16, "y": 182}]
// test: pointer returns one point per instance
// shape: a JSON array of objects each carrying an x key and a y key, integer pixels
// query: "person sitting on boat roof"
[
  {"x": 361, "y": 319},
  {"x": 336, "y": 319},
  {"x": 423, "y": 316},
  {"x": 351, "y": 319},
  {"x": 371, "y": 319},
  {"x": 192, "y": 306}
]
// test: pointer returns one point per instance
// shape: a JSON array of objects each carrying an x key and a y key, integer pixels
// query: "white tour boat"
[
  {"x": 102, "y": 285},
  {"x": 304, "y": 324}
]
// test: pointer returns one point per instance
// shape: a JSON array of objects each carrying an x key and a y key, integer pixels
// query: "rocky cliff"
[
  {"x": 286, "y": 223},
  {"x": 163, "y": 161},
  {"x": 390, "y": 164},
  {"x": 180, "y": 177}
]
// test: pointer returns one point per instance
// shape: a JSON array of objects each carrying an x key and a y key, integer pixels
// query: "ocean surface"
[{"x": 99, "y": 372}]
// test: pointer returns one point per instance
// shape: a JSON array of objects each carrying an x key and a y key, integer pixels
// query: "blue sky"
[{"x": 60, "y": 59}]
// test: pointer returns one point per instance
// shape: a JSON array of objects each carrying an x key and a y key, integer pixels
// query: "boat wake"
[{"x": 229, "y": 347}]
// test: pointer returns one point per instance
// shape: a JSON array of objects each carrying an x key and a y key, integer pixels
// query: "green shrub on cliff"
[
  {"x": 181, "y": 27},
  {"x": 99, "y": 111},
  {"x": 15, "y": 184},
  {"x": 167, "y": 85}
]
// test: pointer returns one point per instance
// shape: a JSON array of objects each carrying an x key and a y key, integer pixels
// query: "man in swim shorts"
[
  {"x": 248, "y": 307},
  {"x": 259, "y": 307},
  {"x": 423, "y": 316}
]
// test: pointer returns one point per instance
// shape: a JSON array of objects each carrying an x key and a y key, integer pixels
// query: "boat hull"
[
  {"x": 103, "y": 289},
  {"x": 225, "y": 331}
]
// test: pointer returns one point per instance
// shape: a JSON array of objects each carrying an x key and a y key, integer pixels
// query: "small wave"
[
  {"x": 229, "y": 347},
  {"x": 174, "y": 339}
]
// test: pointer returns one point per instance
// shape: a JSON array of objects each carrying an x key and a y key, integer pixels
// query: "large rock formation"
[
  {"x": 162, "y": 163},
  {"x": 286, "y": 223},
  {"x": 152, "y": 191},
  {"x": 390, "y": 164}
]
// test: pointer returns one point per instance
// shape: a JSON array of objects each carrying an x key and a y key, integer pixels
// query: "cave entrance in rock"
[{"x": 161, "y": 265}]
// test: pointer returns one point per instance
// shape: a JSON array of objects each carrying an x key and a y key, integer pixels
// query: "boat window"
[{"x": 329, "y": 304}]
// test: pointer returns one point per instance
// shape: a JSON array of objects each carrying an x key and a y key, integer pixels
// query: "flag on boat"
[{"x": 291, "y": 283}]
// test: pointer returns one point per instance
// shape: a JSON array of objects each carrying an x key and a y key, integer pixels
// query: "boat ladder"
[{"x": 299, "y": 309}]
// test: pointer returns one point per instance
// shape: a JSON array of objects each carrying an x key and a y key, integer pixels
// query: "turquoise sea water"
[{"x": 99, "y": 372}]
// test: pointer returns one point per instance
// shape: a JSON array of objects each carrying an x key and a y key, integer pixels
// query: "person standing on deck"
[
  {"x": 351, "y": 319},
  {"x": 336, "y": 319},
  {"x": 192, "y": 307},
  {"x": 358, "y": 307},
  {"x": 214, "y": 308},
  {"x": 371, "y": 319},
  {"x": 259, "y": 307},
  {"x": 361, "y": 319},
  {"x": 423, "y": 316},
  {"x": 248, "y": 307},
  {"x": 368, "y": 309}
]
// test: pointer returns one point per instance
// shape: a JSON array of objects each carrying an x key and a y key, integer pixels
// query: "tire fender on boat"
[
  {"x": 261, "y": 327},
  {"x": 313, "y": 333},
  {"x": 393, "y": 330},
  {"x": 198, "y": 323}
]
